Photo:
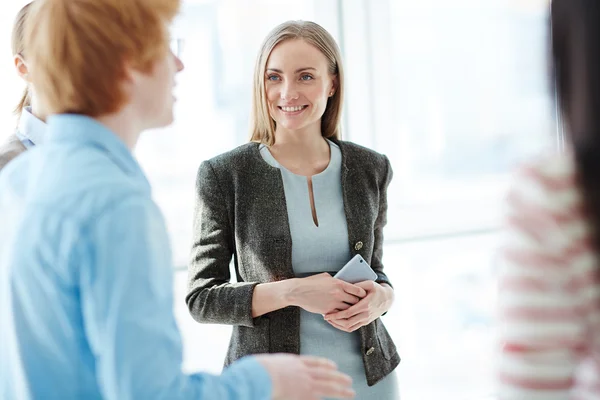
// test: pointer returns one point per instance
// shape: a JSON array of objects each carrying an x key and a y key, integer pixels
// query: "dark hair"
[
  {"x": 575, "y": 33},
  {"x": 18, "y": 47}
]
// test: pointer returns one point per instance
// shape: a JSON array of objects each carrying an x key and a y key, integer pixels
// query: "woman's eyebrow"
[{"x": 297, "y": 71}]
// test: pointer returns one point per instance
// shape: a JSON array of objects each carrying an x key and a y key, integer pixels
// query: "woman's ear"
[
  {"x": 333, "y": 85},
  {"x": 21, "y": 67}
]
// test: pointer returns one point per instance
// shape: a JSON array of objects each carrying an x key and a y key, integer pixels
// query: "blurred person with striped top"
[{"x": 549, "y": 286}]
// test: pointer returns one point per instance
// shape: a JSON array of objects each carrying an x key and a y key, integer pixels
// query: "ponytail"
[{"x": 25, "y": 102}]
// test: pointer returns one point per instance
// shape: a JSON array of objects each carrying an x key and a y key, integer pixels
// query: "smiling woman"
[
  {"x": 296, "y": 60},
  {"x": 292, "y": 205},
  {"x": 297, "y": 97}
]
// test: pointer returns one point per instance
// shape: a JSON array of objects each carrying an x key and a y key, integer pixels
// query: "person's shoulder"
[
  {"x": 544, "y": 194},
  {"x": 10, "y": 149},
  {"x": 82, "y": 181},
  {"x": 241, "y": 154},
  {"x": 361, "y": 153},
  {"x": 242, "y": 158},
  {"x": 360, "y": 157},
  {"x": 107, "y": 183},
  {"x": 548, "y": 172}
]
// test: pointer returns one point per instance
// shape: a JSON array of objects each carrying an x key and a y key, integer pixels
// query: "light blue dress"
[{"x": 325, "y": 248}]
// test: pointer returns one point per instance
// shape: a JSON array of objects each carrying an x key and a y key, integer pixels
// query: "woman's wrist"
[
  {"x": 288, "y": 291},
  {"x": 272, "y": 296},
  {"x": 389, "y": 295}
]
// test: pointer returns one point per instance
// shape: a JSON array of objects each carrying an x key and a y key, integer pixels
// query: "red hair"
[{"x": 79, "y": 49}]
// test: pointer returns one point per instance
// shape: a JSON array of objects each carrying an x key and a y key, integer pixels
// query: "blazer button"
[
  {"x": 358, "y": 246},
  {"x": 370, "y": 351}
]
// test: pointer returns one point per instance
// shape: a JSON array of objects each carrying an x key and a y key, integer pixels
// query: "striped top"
[{"x": 549, "y": 303}]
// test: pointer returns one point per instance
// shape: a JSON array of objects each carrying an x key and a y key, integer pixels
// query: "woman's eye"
[
  {"x": 306, "y": 77},
  {"x": 273, "y": 77}
]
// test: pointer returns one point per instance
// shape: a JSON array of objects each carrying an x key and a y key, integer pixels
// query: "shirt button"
[
  {"x": 370, "y": 351},
  {"x": 358, "y": 246}
]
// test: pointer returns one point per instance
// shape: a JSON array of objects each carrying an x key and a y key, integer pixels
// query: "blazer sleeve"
[
  {"x": 380, "y": 222},
  {"x": 211, "y": 297}
]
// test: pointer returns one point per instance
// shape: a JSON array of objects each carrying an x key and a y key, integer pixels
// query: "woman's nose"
[{"x": 289, "y": 91}]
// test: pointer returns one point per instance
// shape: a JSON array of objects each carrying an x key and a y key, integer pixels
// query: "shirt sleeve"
[
  {"x": 127, "y": 306},
  {"x": 543, "y": 288}
]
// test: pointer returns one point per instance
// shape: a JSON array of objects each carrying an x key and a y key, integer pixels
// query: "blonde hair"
[
  {"x": 78, "y": 50},
  {"x": 262, "y": 125},
  {"x": 18, "y": 48}
]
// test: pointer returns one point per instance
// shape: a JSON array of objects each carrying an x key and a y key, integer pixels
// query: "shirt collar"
[
  {"x": 32, "y": 128},
  {"x": 86, "y": 131}
]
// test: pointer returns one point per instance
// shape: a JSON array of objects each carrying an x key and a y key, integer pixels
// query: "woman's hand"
[
  {"x": 323, "y": 294},
  {"x": 378, "y": 301}
]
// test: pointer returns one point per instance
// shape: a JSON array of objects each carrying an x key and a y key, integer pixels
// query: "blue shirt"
[
  {"x": 31, "y": 130},
  {"x": 86, "y": 284}
]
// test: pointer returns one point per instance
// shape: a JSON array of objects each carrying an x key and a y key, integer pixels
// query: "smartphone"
[{"x": 356, "y": 270}]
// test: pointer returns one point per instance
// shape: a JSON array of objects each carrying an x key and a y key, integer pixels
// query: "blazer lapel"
[
  {"x": 356, "y": 216},
  {"x": 275, "y": 221}
]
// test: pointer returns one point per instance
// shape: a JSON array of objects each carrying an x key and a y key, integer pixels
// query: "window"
[{"x": 455, "y": 93}]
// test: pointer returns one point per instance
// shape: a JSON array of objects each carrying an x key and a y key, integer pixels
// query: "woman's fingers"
[
  {"x": 348, "y": 313},
  {"x": 350, "y": 299},
  {"x": 358, "y": 325},
  {"x": 336, "y": 325},
  {"x": 350, "y": 324},
  {"x": 354, "y": 290},
  {"x": 355, "y": 320}
]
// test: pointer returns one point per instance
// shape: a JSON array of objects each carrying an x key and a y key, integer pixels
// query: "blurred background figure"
[
  {"x": 549, "y": 315},
  {"x": 31, "y": 126}
]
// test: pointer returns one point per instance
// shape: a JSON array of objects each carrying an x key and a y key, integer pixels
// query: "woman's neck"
[
  {"x": 309, "y": 140},
  {"x": 304, "y": 153}
]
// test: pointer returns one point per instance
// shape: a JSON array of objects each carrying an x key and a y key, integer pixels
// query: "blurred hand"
[
  {"x": 305, "y": 378},
  {"x": 323, "y": 294},
  {"x": 378, "y": 301}
]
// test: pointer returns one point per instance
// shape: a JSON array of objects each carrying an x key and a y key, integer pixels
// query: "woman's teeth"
[{"x": 293, "y": 109}]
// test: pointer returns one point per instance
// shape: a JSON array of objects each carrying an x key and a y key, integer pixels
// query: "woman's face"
[{"x": 298, "y": 85}]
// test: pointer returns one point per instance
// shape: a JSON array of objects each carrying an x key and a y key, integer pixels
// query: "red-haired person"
[{"x": 85, "y": 265}]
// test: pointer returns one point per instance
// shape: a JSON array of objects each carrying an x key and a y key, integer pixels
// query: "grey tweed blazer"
[
  {"x": 9, "y": 150},
  {"x": 241, "y": 213}
]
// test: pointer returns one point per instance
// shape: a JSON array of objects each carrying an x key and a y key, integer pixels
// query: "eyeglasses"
[{"x": 176, "y": 46}]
